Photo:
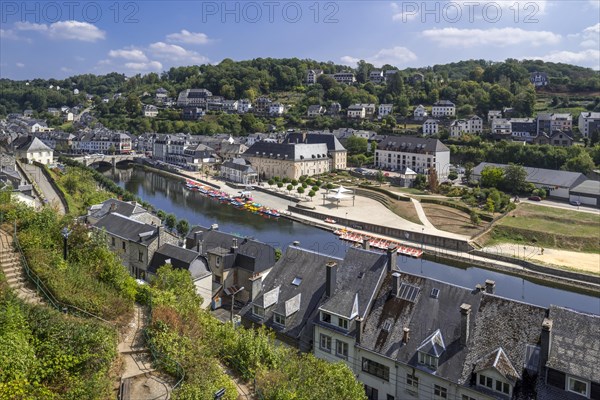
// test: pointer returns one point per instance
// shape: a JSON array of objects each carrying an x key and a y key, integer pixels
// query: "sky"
[{"x": 57, "y": 39}]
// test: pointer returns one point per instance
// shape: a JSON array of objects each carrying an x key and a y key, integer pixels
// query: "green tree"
[
  {"x": 133, "y": 105},
  {"x": 279, "y": 185},
  {"x": 583, "y": 163},
  {"x": 289, "y": 188},
  {"x": 182, "y": 227},
  {"x": 492, "y": 176},
  {"x": 468, "y": 170},
  {"x": 420, "y": 182},
  {"x": 452, "y": 176},
  {"x": 475, "y": 220},
  {"x": 271, "y": 182},
  {"x": 300, "y": 190},
  {"x": 170, "y": 221},
  {"x": 514, "y": 178},
  {"x": 356, "y": 145},
  {"x": 311, "y": 194},
  {"x": 379, "y": 177}
]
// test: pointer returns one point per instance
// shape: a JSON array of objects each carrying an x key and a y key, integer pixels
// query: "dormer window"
[
  {"x": 258, "y": 311},
  {"x": 428, "y": 360},
  {"x": 343, "y": 323},
  {"x": 279, "y": 319},
  {"x": 325, "y": 317}
]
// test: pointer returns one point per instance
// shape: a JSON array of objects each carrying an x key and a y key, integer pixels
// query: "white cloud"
[
  {"x": 9, "y": 35},
  {"x": 176, "y": 53},
  {"x": 595, "y": 3},
  {"x": 66, "y": 69},
  {"x": 68, "y": 30},
  {"x": 129, "y": 54},
  {"x": 75, "y": 30},
  {"x": 144, "y": 66},
  {"x": 590, "y": 57},
  {"x": 500, "y": 37},
  {"x": 393, "y": 56},
  {"x": 188, "y": 37},
  {"x": 591, "y": 36},
  {"x": 20, "y": 65},
  {"x": 30, "y": 26}
]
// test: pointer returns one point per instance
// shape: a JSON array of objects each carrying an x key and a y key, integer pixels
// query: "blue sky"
[{"x": 58, "y": 39}]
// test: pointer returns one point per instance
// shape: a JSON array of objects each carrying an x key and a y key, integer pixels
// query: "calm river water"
[{"x": 170, "y": 196}]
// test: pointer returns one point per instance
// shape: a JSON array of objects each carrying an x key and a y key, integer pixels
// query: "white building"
[
  {"x": 312, "y": 75},
  {"x": 193, "y": 97},
  {"x": 356, "y": 111},
  {"x": 501, "y": 126},
  {"x": 385, "y": 110},
  {"x": 473, "y": 125},
  {"x": 494, "y": 115},
  {"x": 420, "y": 112},
  {"x": 443, "y": 108},
  {"x": 587, "y": 120},
  {"x": 276, "y": 109},
  {"x": 33, "y": 149},
  {"x": 244, "y": 105},
  {"x": 150, "y": 111},
  {"x": 344, "y": 77},
  {"x": 418, "y": 154},
  {"x": 549, "y": 122},
  {"x": 431, "y": 127}
]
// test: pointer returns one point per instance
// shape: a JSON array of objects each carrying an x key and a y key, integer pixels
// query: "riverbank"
[{"x": 362, "y": 213}]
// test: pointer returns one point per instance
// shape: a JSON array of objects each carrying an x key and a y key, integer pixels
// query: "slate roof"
[
  {"x": 588, "y": 187},
  {"x": 575, "y": 343},
  {"x": 295, "y": 262},
  {"x": 239, "y": 167},
  {"x": 124, "y": 208},
  {"x": 251, "y": 254},
  {"x": 443, "y": 103},
  {"x": 506, "y": 324},
  {"x": 31, "y": 143},
  {"x": 541, "y": 176},
  {"x": 358, "y": 277},
  {"x": 180, "y": 258},
  {"x": 423, "y": 316},
  {"x": 127, "y": 228},
  {"x": 333, "y": 144},
  {"x": 498, "y": 360},
  {"x": 411, "y": 144},
  {"x": 295, "y": 152}
]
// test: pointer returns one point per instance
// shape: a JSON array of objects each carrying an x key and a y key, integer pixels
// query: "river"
[{"x": 171, "y": 196}]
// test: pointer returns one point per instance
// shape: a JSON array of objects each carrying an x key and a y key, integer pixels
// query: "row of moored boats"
[
  {"x": 378, "y": 243},
  {"x": 243, "y": 201}
]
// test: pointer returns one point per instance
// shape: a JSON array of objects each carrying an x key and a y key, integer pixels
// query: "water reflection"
[{"x": 171, "y": 196}]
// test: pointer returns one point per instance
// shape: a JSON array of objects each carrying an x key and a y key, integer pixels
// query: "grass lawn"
[
  {"x": 450, "y": 219},
  {"x": 549, "y": 227},
  {"x": 405, "y": 190},
  {"x": 405, "y": 209}
]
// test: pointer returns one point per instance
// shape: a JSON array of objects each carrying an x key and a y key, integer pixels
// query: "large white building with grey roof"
[
  {"x": 33, "y": 149},
  {"x": 418, "y": 154}
]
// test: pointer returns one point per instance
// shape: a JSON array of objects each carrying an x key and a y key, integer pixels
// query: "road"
[{"x": 47, "y": 190}]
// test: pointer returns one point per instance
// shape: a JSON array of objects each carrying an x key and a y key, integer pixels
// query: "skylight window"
[
  {"x": 297, "y": 281},
  {"x": 408, "y": 292},
  {"x": 435, "y": 292}
]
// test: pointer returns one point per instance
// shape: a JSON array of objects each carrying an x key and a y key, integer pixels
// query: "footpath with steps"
[{"x": 10, "y": 262}]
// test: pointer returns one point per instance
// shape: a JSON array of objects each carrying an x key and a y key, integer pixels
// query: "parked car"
[
  {"x": 535, "y": 198},
  {"x": 575, "y": 203}
]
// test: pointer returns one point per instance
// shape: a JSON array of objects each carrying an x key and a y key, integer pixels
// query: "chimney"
[
  {"x": 392, "y": 255},
  {"x": 255, "y": 286},
  {"x": 296, "y": 243},
  {"x": 330, "y": 278},
  {"x": 465, "y": 312},
  {"x": 113, "y": 207},
  {"x": 303, "y": 137},
  {"x": 396, "y": 283},
  {"x": 365, "y": 244},
  {"x": 545, "y": 342},
  {"x": 490, "y": 286},
  {"x": 359, "y": 326},
  {"x": 234, "y": 245},
  {"x": 197, "y": 242},
  {"x": 405, "y": 335}
]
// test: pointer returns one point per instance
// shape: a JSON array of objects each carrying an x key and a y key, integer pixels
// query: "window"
[
  {"x": 389, "y": 397},
  {"x": 325, "y": 343},
  {"x": 326, "y": 317},
  {"x": 218, "y": 261},
  {"x": 279, "y": 319},
  {"x": 372, "y": 393},
  {"x": 341, "y": 349},
  {"x": 440, "y": 392},
  {"x": 427, "y": 359},
  {"x": 486, "y": 381},
  {"x": 577, "y": 386},
  {"x": 465, "y": 397},
  {"x": 343, "y": 323},
  {"x": 112, "y": 241},
  {"x": 258, "y": 311},
  {"x": 140, "y": 256},
  {"x": 375, "y": 369},
  {"x": 124, "y": 246},
  {"x": 412, "y": 381}
]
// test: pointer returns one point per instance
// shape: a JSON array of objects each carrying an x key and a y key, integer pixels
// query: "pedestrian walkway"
[
  {"x": 139, "y": 380},
  {"x": 35, "y": 174},
  {"x": 10, "y": 261},
  {"x": 421, "y": 213}
]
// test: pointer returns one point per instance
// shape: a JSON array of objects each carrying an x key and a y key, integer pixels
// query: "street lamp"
[
  {"x": 233, "y": 301},
  {"x": 65, "y": 232}
]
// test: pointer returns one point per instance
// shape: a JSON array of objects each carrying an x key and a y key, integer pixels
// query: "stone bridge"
[{"x": 88, "y": 160}]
